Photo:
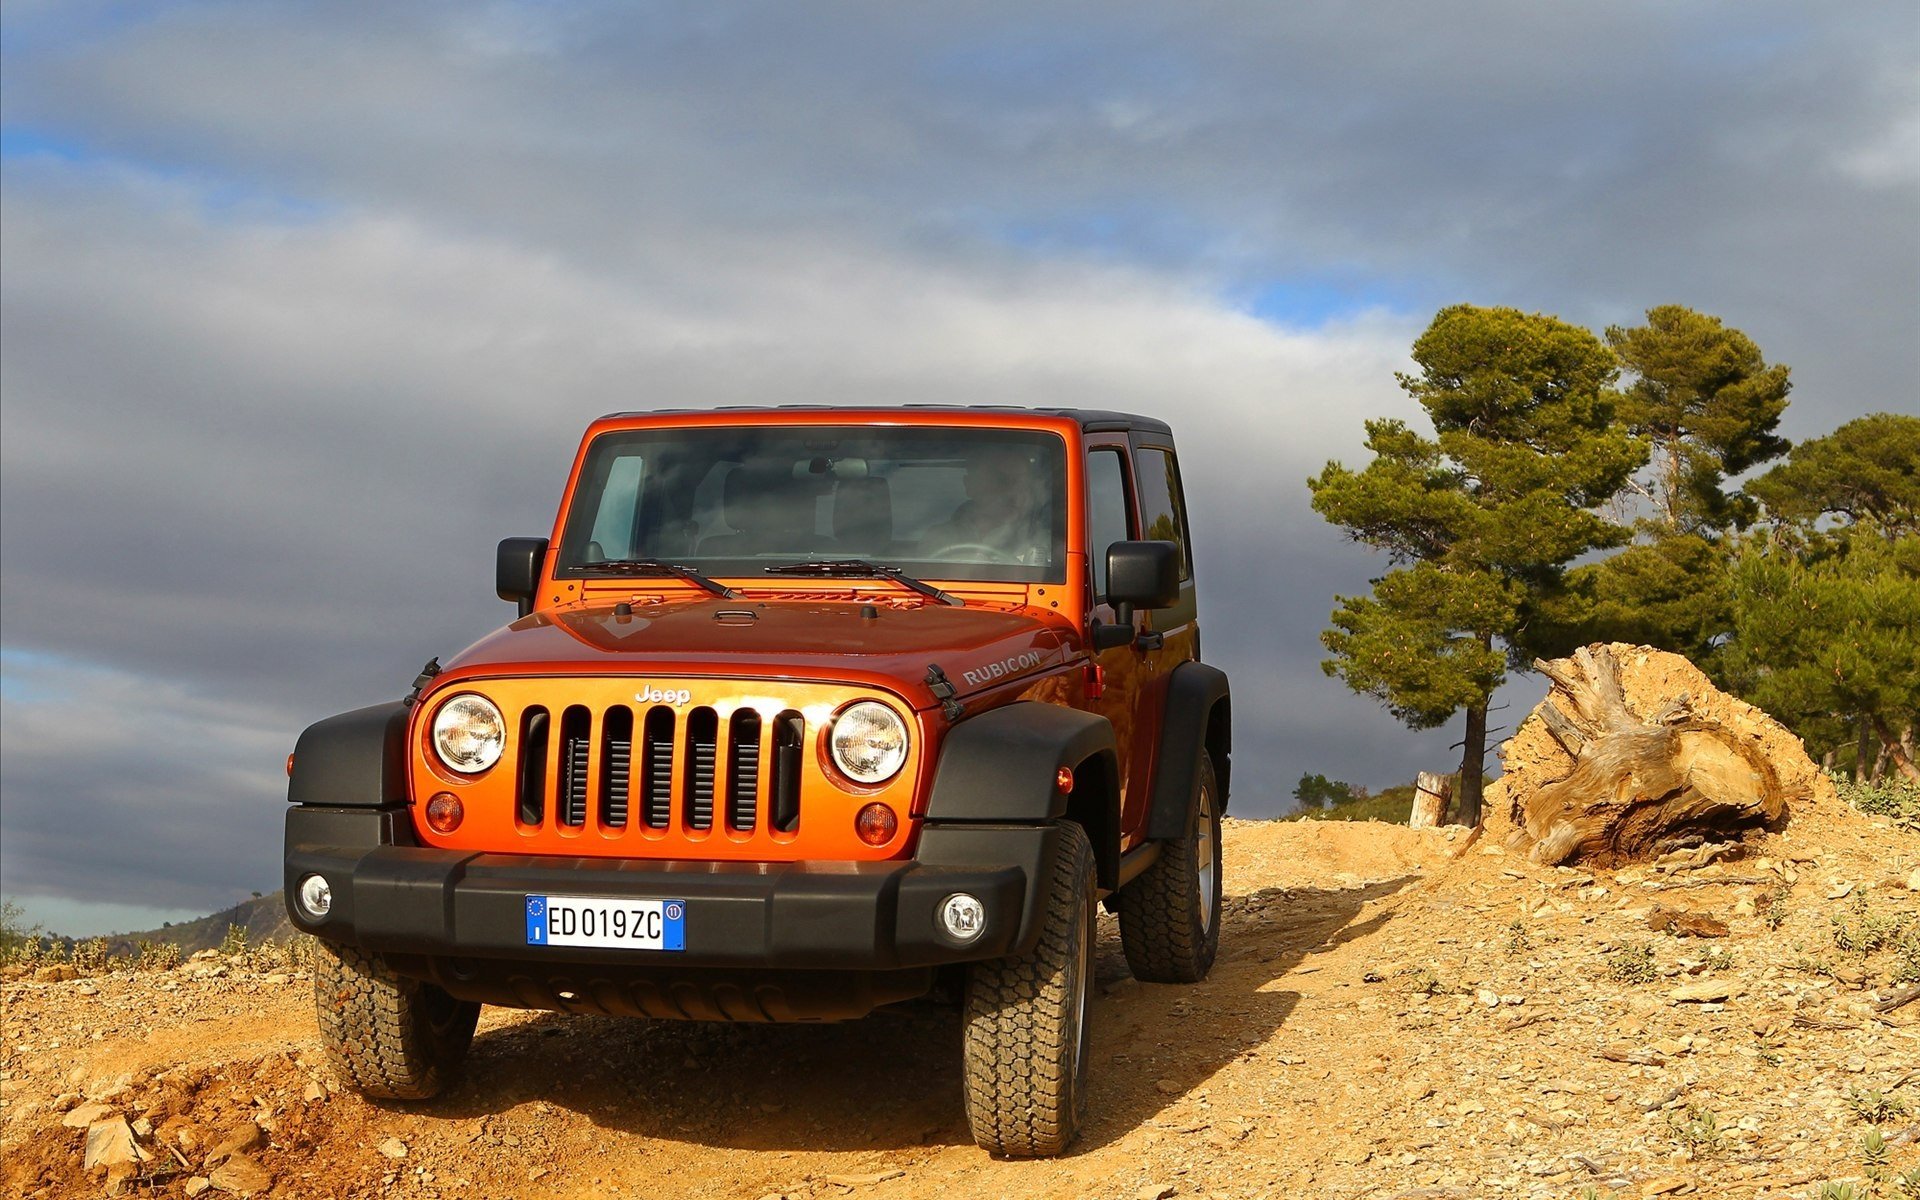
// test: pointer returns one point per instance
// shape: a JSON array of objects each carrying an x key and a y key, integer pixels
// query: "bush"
[
  {"x": 157, "y": 956},
  {"x": 19, "y": 941},
  {"x": 1896, "y": 798},
  {"x": 1633, "y": 963},
  {"x": 90, "y": 957}
]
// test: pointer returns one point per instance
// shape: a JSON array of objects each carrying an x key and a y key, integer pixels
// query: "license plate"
[{"x": 598, "y": 921}]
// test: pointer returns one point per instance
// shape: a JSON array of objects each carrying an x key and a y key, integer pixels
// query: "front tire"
[
  {"x": 1170, "y": 914},
  {"x": 393, "y": 1038},
  {"x": 1026, "y": 1022}
]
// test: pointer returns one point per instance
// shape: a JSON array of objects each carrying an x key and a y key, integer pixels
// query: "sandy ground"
[{"x": 1385, "y": 1019}]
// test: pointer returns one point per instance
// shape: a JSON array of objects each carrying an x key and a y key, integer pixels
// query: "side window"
[
  {"x": 1160, "y": 507},
  {"x": 1106, "y": 511}
]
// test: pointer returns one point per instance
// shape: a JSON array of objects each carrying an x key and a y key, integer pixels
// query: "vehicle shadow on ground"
[{"x": 892, "y": 1081}]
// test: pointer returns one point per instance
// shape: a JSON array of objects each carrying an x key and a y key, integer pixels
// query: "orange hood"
[{"x": 816, "y": 639}]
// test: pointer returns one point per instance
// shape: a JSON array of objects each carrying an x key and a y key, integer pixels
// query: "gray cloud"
[{"x": 304, "y": 308}]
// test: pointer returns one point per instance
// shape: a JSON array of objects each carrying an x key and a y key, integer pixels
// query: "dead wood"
[
  {"x": 1639, "y": 787},
  {"x": 1432, "y": 793},
  {"x": 1901, "y": 997}
]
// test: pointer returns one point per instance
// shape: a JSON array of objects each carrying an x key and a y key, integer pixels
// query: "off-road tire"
[
  {"x": 1170, "y": 913},
  {"x": 393, "y": 1038},
  {"x": 1026, "y": 1022}
]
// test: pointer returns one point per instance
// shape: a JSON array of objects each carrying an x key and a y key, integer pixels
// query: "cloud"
[{"x": 305, "y": 307}]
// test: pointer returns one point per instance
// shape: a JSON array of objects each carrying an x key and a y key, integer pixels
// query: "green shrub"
[
  {"x": 89, "y": 957},
  {"x": 1633, "y": 963},
  {"x": 1873, "y": 1106},
  {"x": 1860, "y": 931},
  {"x": 1699, "y": 1131},
  {"x": 157, "y": 956},
  {"x": 1895, "y": 798}
]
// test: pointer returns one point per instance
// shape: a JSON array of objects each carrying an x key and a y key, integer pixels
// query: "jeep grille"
[
  {"x": 731, "y": 773},
  {"x": 597, "y": 761}
]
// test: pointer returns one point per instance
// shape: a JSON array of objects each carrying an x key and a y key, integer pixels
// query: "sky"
[{"x": 304, "y": 306}]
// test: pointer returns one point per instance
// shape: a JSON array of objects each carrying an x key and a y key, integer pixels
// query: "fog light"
[
  {"x": 445, "y": 812},
  {"x": 963, "y": 917},
  {"x": 876, "y": 824},
  {"x": 316, "y": 896}
]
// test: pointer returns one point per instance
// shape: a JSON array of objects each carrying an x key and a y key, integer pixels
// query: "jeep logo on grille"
[{"x": 654, "y": 695}]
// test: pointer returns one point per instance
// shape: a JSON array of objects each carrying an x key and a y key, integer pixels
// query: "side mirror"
[
  {"x": 1143, "y": 575},
  {"x": 516, "y": 570}
]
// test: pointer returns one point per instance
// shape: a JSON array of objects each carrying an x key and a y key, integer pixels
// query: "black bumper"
[{"x": 409, "y": 900}]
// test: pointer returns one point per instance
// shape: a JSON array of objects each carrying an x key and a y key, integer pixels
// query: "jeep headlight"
[
  {"x": 469, "y": 733},
  {"x": 869, "y": 742}
]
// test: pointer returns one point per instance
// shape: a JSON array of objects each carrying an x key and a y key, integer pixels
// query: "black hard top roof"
[{"x": 1092, "y": 420}]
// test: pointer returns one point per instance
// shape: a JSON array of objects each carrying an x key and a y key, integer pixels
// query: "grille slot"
[
  {"x": 656, "y": 769},
  {"x": 789, "y": 732},
  {"x": 743, "y": 771},
  {"x": 703, "y": 732},
  {"x": 576, "y": 742},
  {"x": 533, "y": 766},
  {"x": 616, "y": 762}
]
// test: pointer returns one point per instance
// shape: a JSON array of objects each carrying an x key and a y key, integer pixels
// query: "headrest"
[{"x": 752, "y": 494}]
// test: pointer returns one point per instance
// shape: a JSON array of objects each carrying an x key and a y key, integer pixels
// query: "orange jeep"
[{"x": 806, "y": 711}]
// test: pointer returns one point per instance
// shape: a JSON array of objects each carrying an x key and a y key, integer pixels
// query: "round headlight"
[
  {"x": 869, "y": 742},
  {"x": 469, "y": 733}
]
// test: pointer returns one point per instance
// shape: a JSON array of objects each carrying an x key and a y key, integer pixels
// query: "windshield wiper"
[
  {"x": 860, "y": 568},
  {"x": 653, "y": 566}
]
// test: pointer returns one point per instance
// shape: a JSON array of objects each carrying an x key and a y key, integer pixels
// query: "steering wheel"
[{"x": 980, "y": 551}]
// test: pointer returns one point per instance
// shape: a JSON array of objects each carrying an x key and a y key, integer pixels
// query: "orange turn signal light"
[
  {"x": 1063, "y": 780},
  {"x": 876, "y": 824},
  {"x": 445, "y": 812},
  {"x": 289, "y": 766}
]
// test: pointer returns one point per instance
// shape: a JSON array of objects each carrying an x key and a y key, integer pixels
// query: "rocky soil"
[{"x": 1395, "y": 1013}]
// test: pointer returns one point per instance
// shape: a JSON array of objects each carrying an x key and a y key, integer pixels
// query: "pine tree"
[
  {"x": 1826, "y": 601},
  {"x": 1866, "y": 470},
  {"x": 1824, "y": 630},
  {"x": 1708, "y": 404},
  {"x": 1480, "y": 520}
]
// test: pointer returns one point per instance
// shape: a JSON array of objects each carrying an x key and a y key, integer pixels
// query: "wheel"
[
  {"x": 1170, "y": 913},
  {"x": 1025, "y": 1022},
  {"x": 393, "y": 1038}
]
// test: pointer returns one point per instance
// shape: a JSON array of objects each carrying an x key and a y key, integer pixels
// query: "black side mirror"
[
  {"x": 516, "y": 570},
  {"x": 1143, "y": 575}
]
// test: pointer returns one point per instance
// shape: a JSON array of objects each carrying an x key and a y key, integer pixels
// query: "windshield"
[{"x": 986, "y": 504}]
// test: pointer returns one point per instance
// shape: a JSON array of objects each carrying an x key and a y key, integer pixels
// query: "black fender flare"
[
  {"x": 357, "y": 759},
  {"x": 1198, "y": 716},
  {"x": 1001, "y": 767}
]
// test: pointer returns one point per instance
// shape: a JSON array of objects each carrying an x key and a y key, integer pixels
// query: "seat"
[
  {"x": 863, "y": 516},
  {"x": 768, "y": 510}
]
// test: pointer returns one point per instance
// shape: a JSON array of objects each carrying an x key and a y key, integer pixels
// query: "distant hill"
[{"x": 264, "y": 919}]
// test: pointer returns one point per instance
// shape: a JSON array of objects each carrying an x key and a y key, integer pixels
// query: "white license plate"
[{"x": 606, "y": 923}]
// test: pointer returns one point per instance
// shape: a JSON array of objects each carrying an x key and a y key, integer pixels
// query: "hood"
[{"x": 878, "y": 644}]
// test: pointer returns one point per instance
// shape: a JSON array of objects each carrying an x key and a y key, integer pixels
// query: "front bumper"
[{"x": 401, "y": 899}]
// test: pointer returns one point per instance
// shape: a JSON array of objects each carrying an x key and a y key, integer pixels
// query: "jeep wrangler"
[{"x": 806, "y": 711}]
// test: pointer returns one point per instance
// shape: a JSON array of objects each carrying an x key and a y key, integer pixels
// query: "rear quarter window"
[{"x": 1163, "y": 516}]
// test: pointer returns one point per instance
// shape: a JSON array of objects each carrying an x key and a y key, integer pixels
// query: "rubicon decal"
[
  {"x": 1003, "y": 668},
  {"x": 654, "y": 695}
]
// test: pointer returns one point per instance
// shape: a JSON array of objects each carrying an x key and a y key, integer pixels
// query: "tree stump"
[
  {"x": 1431, "y": 795},
  {"x": 1639, "y": 787}
]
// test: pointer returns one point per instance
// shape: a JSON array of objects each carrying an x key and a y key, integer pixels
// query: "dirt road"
[{"x": 1382, "y": 1021}]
